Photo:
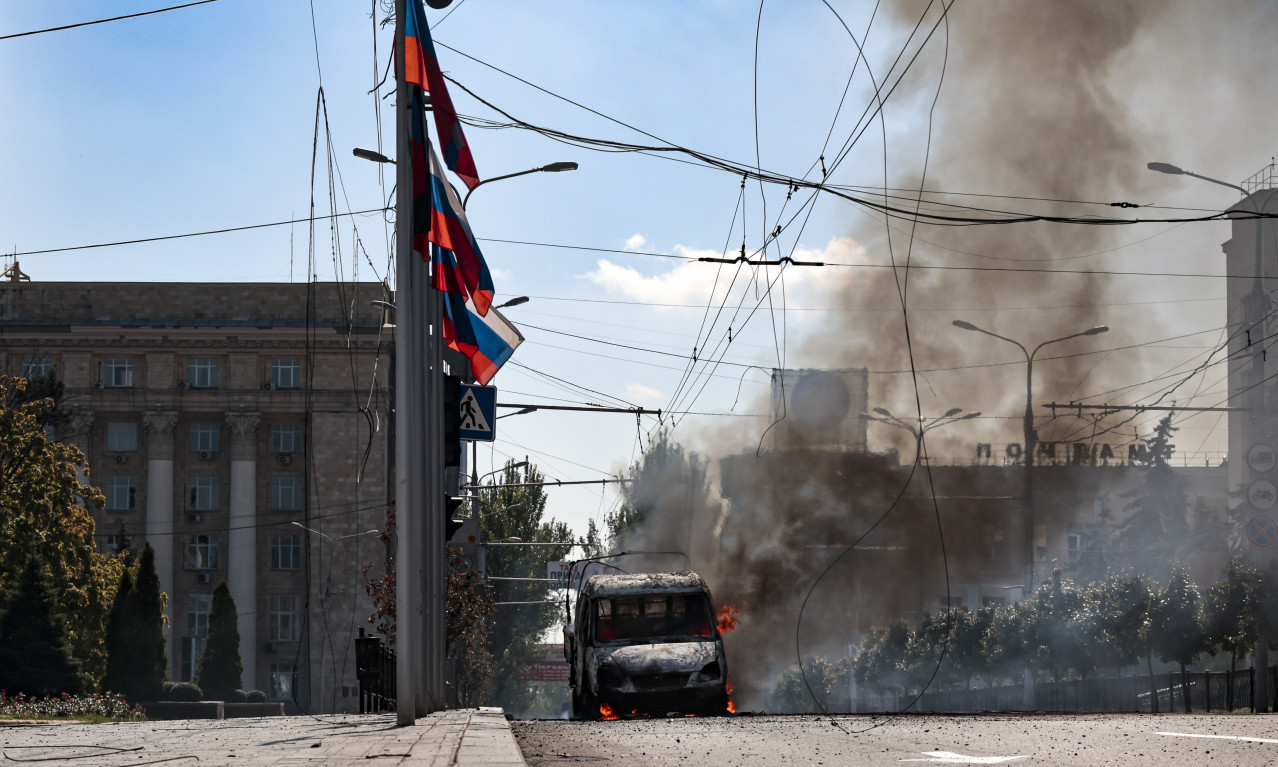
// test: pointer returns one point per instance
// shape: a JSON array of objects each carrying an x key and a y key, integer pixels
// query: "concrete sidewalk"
[{"x": 467, "y": 737}]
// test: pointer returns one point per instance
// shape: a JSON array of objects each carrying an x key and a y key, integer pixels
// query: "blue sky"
[{"x": 204, "y": 118}]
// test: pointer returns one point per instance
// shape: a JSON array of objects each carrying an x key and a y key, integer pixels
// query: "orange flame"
[
  {"x": 605, "y": 713},
  {"x": 732, "y": 707},
  {"x": 727, "y": 618}
]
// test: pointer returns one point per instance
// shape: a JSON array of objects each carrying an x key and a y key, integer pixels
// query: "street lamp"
[
  {"x": 516, "y": 301},
  {"x": 950, "y": 416},
  {"x": 1029, "y": 434},
  {"x": 372, "y": 156},
  {"x": 554, "y": 167}
]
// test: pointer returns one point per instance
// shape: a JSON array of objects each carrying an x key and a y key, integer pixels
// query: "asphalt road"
[{"x": 1085, "y": 740}]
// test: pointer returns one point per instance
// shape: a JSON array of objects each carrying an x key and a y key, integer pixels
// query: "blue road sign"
[
  {"x": 478, "y": 412},
  {"x": 1262, "y": 531}
]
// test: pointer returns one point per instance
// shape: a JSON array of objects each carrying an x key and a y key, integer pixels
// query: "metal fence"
[
  {"x": 1207, "y": 691},
  {"x": 375, "y": 668}
]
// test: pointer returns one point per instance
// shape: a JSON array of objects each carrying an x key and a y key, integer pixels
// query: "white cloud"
[
  {"x": 692, "y": 282},
  {"x": 500, "y": 274},
  {"x": 636, "y": 241},
  {"x": 642, "y": 394}
]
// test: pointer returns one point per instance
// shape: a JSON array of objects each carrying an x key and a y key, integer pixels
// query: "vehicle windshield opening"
[{"x": 652, "y": 616}]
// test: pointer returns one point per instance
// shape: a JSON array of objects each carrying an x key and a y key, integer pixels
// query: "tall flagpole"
[
  {"x": 408, "y": 400},
  {"x": 421, "y": 577}
]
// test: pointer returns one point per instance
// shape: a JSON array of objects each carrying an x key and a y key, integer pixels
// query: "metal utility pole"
[
  {"x": 1027, "y": 471},
  {"x": 419, "y": 485}
]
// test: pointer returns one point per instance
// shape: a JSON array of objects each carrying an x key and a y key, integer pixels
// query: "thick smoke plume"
[{"x": 1034, "y": 105}]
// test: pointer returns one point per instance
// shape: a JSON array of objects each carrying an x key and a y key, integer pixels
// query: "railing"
[
  {"x": 375, "y": 667},
  {"x": 1207, "y": 691},
  {"x": 1266, "y": 178}
]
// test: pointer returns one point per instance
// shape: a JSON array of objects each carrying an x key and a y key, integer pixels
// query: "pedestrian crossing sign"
[{"x": 478, "y": 412}]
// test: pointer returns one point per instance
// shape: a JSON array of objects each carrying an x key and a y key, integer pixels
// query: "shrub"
[
  {"x": 256, "y": 696},
  {"x": 110, "y": 706},
  {"x": 182, "y": 691},
  {"x": 237, "y": 696}
]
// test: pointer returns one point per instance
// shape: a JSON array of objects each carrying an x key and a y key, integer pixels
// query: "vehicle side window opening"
[{"x": 652, "y": 616}]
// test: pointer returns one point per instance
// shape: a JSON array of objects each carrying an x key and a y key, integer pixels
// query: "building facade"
[{"x": 242, "y": 431}]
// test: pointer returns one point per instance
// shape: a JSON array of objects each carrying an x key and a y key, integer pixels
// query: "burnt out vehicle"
[{"x": 645, "y": 643}]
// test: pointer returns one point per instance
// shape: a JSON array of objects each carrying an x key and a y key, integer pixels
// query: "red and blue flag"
[
  {"x": 459, "y": 269},
  {"x": 421, "y": 68},
  {"x": 487, "y": 341}
]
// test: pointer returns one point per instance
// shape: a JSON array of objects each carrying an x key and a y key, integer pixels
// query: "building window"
[
  {"x": 198, "y": 607},
  {"x": 122, "y": 437},
  {"x": 286, "y": 552},
  {"x": 286, "y": 438},
  {"x": 201, "y": 552},
  {"x": 992, "y": 541},
  {"x": 201, "y": 373},
  {"x": 1040, "y": 542},
  {"x": 286, "y": 493},
  {"x": 203, "y": 493},
  {"x": 206, "y": 437},
  {"x": 189, "y": 663},
  {"x": 34, "y": 367},
  {"x": 286, "y": 373},
  {"x": 283, "y": 681},
  {"x": 122, "y": 493},
  {"x": 1075, "y": 543},
  {"x": 286, "y": 617},
  {"x": 119, "y": 373}
]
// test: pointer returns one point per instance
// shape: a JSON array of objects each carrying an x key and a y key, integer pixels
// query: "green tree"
[
  {"x": 1006, "y": 644},
  {"x": 924, "y": 647},
  {"x": 221, "y": 671},
  {"x": 121, "y": 632},
  {"x": 967, "y": 644},
  {"x": 513, "y": 505},
  {"x": 794, "y": 695},
  {"x": 148, "y": 611},
  {"x": 34, "y": 657},
  {"x": 1054, "y": 633},
  {"x": 879, "y": 665},
  {"x": 1178, "y": 633},
  {"x": 666, "y": 497},
  {"x": 42, "y": 516},
  {"x": 469, "y": 630},
  {"x": 1118, "y": 616},
  {"x": 1231, "y": 614},
  {"x": 1157, "y": 524}
]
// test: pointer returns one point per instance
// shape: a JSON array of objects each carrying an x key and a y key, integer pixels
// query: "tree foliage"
[
  {"x": 221, "y": 671},
  {"x": 148, "y": 611},
  {"x": 667, "y": 483},
  {"x": 506, "y": 512},
  {"x": 1156, "y": 529},
  {"x": 793, "y": 694},
  {"x": 43, "y": 515},
  {"x": 34, "y": 657},
  {"x": 1231, "y": 614},
  {"x": 469, "y": 630}
]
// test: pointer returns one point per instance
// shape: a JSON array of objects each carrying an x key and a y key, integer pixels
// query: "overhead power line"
[
  {"x": 195, "y": 234},
  {"x": 104, "y": 21}
]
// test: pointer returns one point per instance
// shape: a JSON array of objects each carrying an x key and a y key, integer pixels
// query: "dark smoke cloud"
[{"x": 1041, "y": 99}]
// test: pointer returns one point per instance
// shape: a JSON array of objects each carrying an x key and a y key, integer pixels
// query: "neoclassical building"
[{"x": 242, "y": 430}]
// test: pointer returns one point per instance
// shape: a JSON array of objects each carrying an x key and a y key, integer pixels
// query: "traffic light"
[{"x": 452, "y": 523}]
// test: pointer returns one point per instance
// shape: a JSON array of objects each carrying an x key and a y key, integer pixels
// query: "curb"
[{"x": 488, "y": 739}]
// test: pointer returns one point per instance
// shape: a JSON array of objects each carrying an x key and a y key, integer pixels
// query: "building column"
[
  {"x": 161, "y": 532},
  {"x": 241, "y": 564}
]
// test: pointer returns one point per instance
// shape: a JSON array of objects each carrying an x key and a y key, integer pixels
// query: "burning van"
[{"x": 645, "y": 643}]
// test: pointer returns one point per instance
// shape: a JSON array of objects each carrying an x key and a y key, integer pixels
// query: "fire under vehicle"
[{"x": 645, "y": 643}]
